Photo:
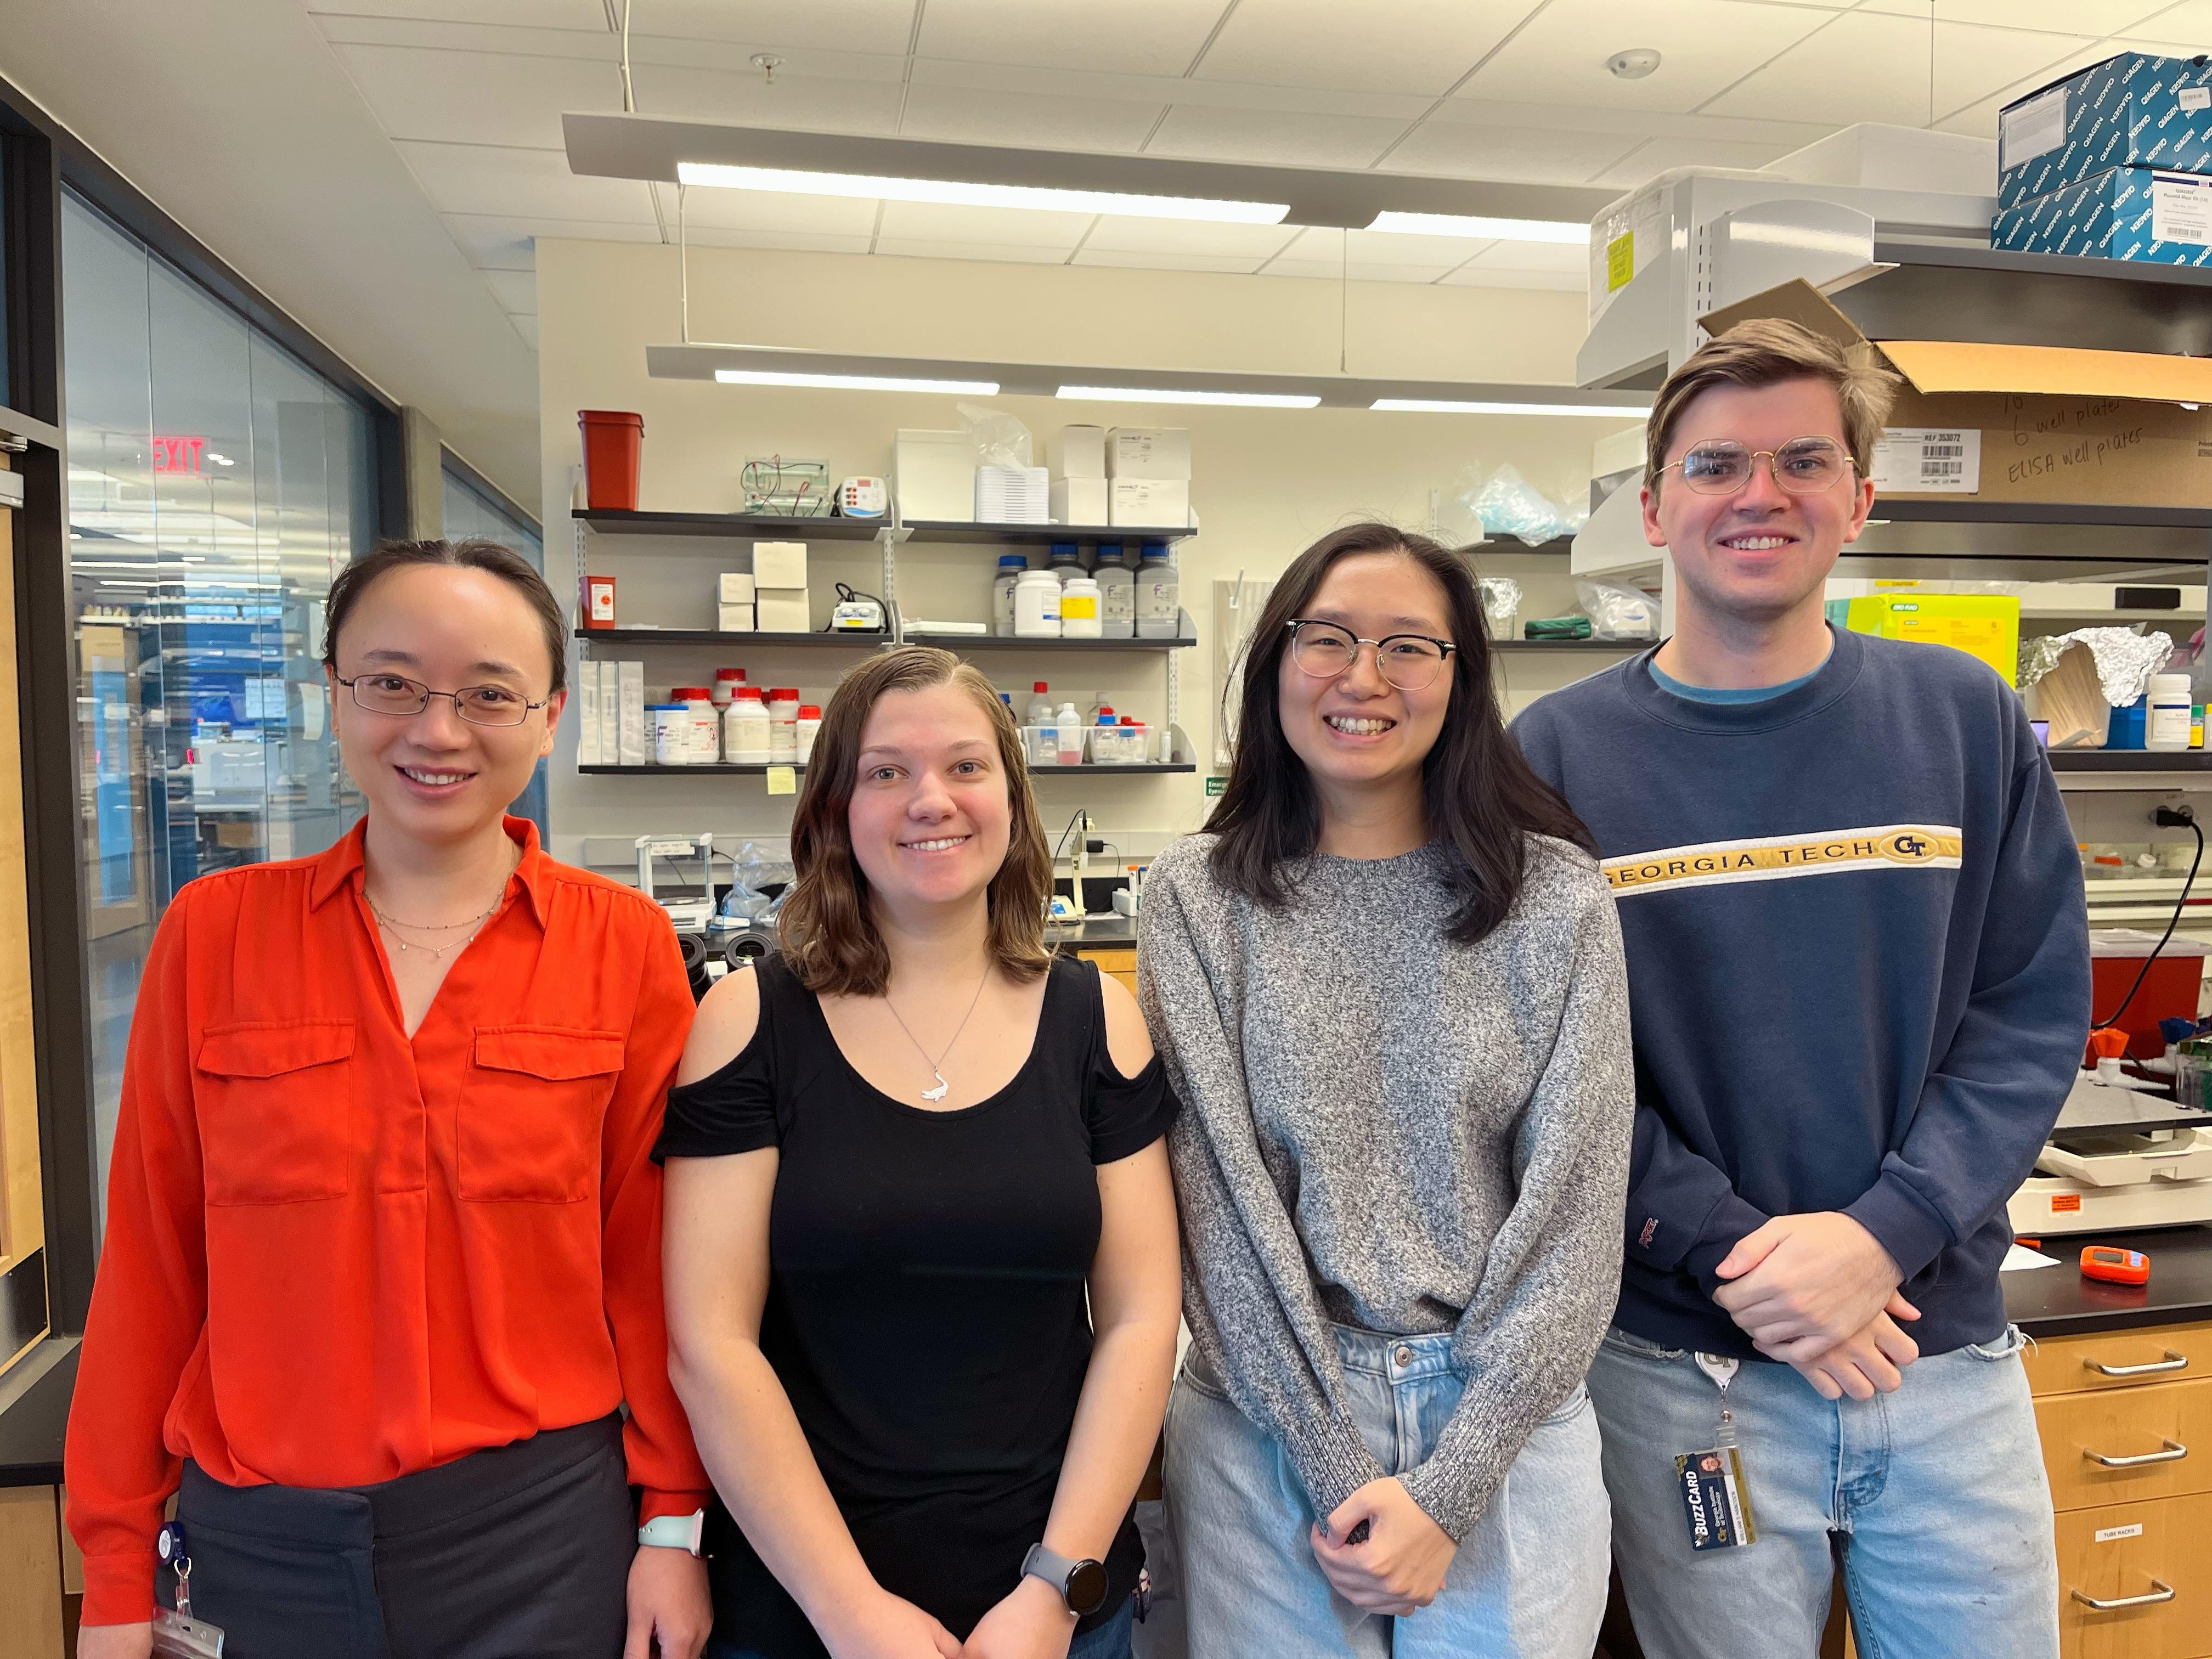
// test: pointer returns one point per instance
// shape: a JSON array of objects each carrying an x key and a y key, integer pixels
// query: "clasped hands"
[{"x": 1819, "y": 1292}]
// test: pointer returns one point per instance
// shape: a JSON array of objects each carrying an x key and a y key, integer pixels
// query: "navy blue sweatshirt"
[{"x": 1858, "y": 966}]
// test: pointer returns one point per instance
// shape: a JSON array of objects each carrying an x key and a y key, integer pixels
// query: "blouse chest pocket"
[
  {"x": 531, "y": 1113},
  {"x": 274, "y": 1104}
]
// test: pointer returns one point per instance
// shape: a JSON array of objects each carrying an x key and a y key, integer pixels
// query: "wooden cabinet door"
[{"x": 23, "y": 1204}]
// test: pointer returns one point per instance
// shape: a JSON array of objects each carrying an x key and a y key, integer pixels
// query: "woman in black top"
[{"x": 899, "y": 1155}]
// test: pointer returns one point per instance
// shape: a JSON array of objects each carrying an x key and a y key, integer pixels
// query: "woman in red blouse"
[{"x": 384, "y": 1233}]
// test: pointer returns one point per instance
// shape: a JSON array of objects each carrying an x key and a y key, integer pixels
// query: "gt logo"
[{"x": 1912, "y": 846}]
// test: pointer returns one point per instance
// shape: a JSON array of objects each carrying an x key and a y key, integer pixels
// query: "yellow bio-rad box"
[{"x": 1985, "y": 625}]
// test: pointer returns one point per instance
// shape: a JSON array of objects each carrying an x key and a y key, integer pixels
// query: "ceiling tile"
[
  {"x": 1115, "y": 233},
  {"x": 926, "y": 222},
  {"x": 999, "y": 253},
  {"x": 705, "y": 208},
  {"x": 527, "y": 183},
  {"x": 1652, "y": 159},
  {"x": 2180, "y": 31},
  {"x": 584, "y": 15},
  {"x": 515, "y": 290},
  {"x": 1329, "y": 270},
  {"x": 882, "y": 26},
  {"x": 1474, "y": 275},
  {"x": 814, "y": 104},
  {"x": 1268, "y": 136},
  {"x": 1703, "y": 45},
  {"x": 2055, "y": 16},
  {"x": 527, "y": 327},
  {"x": 1533, "y": 256},
  {"x": 477, "y": 98},
  {"x": 1979, "y": 119},
  {"x": 1865, "y": 67},
  {"x": 959, "y": 116},
  {"x": 1381, "y": 45},
  {"x": 803, "y": 241},
  {"x": 1093, "y": 254},
  {"x": 1370, "y": 249},
  {"x": 1130, "y": 37},
  {"x": 493, "y": 243},
  {"x": 1463, "y": 151}
]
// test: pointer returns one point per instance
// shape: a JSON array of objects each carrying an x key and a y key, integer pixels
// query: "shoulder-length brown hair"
[
  {"x": 1483, "y": 799},
  {"x": 829, "y": 936}
]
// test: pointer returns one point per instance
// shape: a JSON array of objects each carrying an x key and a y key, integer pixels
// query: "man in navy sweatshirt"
[{"x": 1859, "y": 980}]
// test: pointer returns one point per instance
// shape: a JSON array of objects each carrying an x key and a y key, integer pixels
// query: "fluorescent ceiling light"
[
  {"x": 953, "y": 193},
  {"x": 1123, "y": 394},
  {"x": 855, "y": 382},
  {"x": 1445, "y": 406},
  {"x": 1501, "y": 230}
]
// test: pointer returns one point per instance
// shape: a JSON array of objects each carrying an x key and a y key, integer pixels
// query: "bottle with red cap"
[
  {"x": 810, "y": 723},
  {"x": 727, "y": 681},
  {"x": 744, "y": 728},
  {"x": 1041, "y": 710},
  {"x": 705, "y": 747},
  {"x": 783, "y": 724}
]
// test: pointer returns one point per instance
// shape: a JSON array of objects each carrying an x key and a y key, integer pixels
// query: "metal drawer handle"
[
  {"x": 2163, "y": 1593},
  {"x": 2173, "y": 1362},
  {"x": 2174, "y": 1452}
]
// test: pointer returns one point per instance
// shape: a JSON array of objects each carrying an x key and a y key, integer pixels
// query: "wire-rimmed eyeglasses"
[
  {"x": 1803, "y": 466},
  {"x": 1408, "y": 661},
  {"x": 479, "y": 705}
]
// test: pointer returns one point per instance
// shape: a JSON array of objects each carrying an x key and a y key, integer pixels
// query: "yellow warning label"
[{"x": 1620, "y": 260}]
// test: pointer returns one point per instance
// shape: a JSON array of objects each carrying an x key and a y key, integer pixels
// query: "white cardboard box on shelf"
[
  {"x": 934, "y": 475},
  {"x": 631, "y": 681},
  {"x": 1150, "y": 503},
  {"x": 777, "y": 564},
  {"x": 1079, "y": 501},
  {"x": 782, "y": 611},
  {"x": 610, "y": 709},
  {"x": 737, "y": 586},
  {"x": 734, "y": 618},
  {"x": 1083, "y": 452},
  {"x": 1148, "y": 451},
  {"x": 587, "y": 715}
]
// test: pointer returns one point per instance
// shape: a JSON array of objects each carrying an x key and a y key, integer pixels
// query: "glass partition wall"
[{"x": 215, "y": 485}]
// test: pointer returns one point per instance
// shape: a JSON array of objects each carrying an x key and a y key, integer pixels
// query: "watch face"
[{"x": 1086, "y": 1587}]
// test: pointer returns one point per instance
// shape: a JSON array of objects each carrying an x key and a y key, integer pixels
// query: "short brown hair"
[
  {"x": 1766, "y": 351},
  {"x": 828, "y": 936},
  {"x": 504, "y": 562}
]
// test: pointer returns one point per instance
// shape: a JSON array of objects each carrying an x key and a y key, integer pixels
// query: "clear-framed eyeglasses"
[
  {"x": 1803, "y": 466},
  {"x": 1409, "y": 661},
  {"x": 479, "y": 705}
]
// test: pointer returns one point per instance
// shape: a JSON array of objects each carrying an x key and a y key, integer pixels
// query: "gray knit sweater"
[{"x": 1383, "y": 1129}]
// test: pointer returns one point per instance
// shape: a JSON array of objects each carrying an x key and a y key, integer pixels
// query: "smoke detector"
[{"x": 1634, "y": 63}]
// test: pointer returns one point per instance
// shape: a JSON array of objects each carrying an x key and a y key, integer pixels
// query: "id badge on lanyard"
[
  {"x": 177, "y": 1634},
  {"x": 1715, "y": 1498}
]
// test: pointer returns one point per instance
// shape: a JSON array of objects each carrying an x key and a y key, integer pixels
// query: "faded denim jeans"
[
  {"x": 1527, "y": 1583},
  {"x": 1935, "y": 1494}
]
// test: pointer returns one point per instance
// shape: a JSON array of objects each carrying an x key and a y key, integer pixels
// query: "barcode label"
[{"x": 1928, "y": 460}]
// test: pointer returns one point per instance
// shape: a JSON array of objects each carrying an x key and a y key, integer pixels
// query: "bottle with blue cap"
[{"x": 1011, "y": 566}]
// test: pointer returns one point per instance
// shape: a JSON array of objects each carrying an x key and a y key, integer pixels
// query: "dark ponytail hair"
[
  {"x": 1483, "y": 799},
  {"x": 504, "y": 562}
]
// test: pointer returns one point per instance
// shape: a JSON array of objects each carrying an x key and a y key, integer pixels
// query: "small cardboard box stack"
[
  {"x": 2113, "y": 162},
  {"x": 1078, "y": 489},
  {"x": 779, "y": 601},
  {"x": 734, "y": 601},
  {"x": 1148, "y": 477},
  {"x": 2023, "y": 423}
]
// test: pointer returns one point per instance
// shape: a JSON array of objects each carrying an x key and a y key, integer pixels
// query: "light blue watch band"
[{"x": 674, "y": 1532}]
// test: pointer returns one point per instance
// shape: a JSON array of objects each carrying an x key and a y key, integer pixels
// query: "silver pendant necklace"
[{"x": 936, "y": 1066}]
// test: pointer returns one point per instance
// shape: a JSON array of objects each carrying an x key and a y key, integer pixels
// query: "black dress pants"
[{"x": 522, "y": 1552}]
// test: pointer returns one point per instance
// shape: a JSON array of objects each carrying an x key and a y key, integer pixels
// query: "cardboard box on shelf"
[
  {"x": 1083, "y": 452},
  {"x": 2132, "y": 110},
  {"x": 630, "y": 681},
  {"x": 1984, "y": 625},
  {"x": 2023, "y": 423},
  {"x": 734, "y": 618},
  {"x": 1148, "y": 503},
  {"x": 1079, "y": 501},
  {"x": 777, "y": 564},
  {"x": 933, "y": 476},
  {"x": 737, "y": 587},
  {"x": 587, "y": 715},
  {"x": 1148, "y": 451},
  {"x": 782, "y": 611},
  {"x": 2124, "y": 213},
  {"x": 611, "y": 710}
]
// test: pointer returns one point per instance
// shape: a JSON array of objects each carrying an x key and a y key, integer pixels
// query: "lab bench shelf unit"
[
  {"x": 866, "y": 640},
  {"x": 1017, "y": 642},
  {"x": 1572, "y": 645},
  {"x": 754, "y": 526},
  {"x": 728, "y": 769},
  {"x": 2111, "y": 762}
]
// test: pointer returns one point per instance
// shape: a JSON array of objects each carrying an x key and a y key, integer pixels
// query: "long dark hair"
[{"x": 1482, "y": 798}]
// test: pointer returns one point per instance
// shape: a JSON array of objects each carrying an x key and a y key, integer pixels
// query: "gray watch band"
[{"x": 1061, "y": 1573}]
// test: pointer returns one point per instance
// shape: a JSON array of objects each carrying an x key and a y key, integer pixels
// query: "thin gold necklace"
[
  {"x": 936, "y": 1066},
  {"x": 391, "y": 924}
]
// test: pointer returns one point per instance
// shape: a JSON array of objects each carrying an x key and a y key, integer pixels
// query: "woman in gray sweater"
[{"x": 1387, "y": 981}]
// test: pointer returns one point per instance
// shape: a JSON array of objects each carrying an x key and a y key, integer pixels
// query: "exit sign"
[{"x": 178, "y": 454}]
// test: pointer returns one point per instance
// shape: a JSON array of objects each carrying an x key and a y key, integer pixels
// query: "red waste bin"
[{"x": 614, "y": 443}]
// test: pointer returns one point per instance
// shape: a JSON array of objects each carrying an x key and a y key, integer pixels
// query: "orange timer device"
[{"x": 2114, "y": 1266}]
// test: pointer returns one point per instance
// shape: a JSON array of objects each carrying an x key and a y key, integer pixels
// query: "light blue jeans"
[
  {"x": 1529, "y": 1582},
  {"x": 1934, "y": 1496}
]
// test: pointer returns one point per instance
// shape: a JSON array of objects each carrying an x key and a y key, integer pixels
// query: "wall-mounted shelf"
[
  {"x": 712, "y": 636},
  {"x": 1572, "y": 645},
  {"x": 2131, "y": 760},
  {"x": 964, "y": 642},
  {"x": 727, "y": 769},
  {"x": 1040, "y": 535},
  {"x": 754, "y": 526}
]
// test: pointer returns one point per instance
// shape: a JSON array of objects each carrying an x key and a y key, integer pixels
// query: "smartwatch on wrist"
[
  {"x": 1081, "y": 1585},
  {"x": 674, "y": 1532}
]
